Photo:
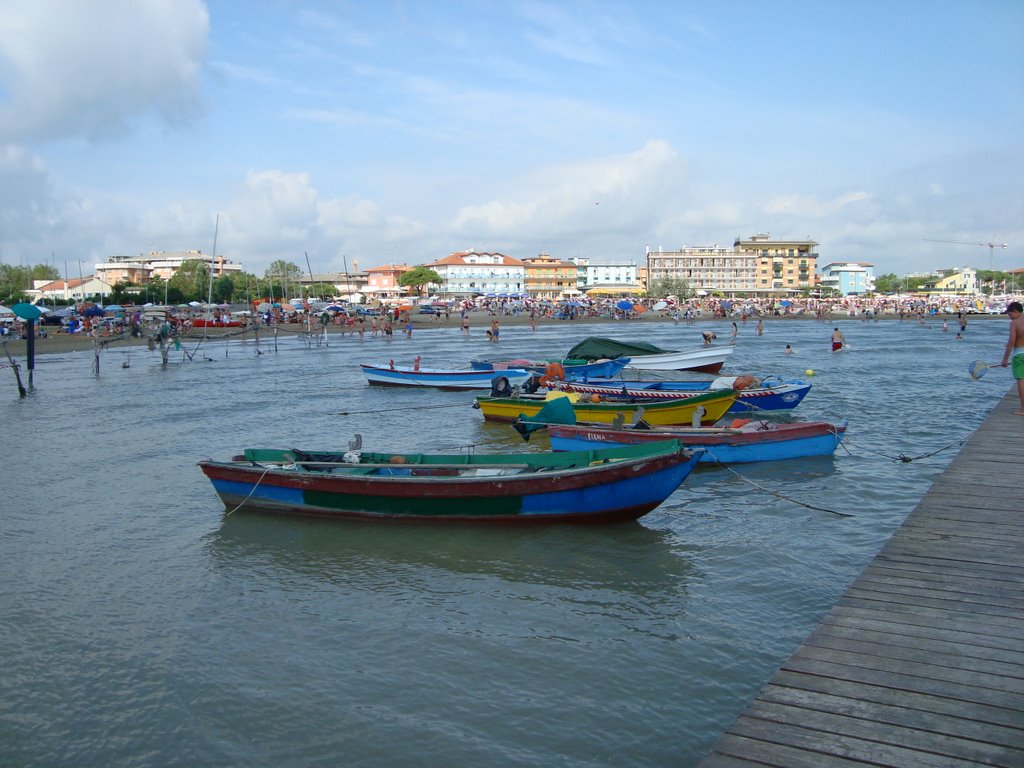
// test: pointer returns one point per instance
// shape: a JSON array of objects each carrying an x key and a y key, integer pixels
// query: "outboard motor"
[
  {"x": 500, "y": 387},
  {"x": 531, "y": 385}
]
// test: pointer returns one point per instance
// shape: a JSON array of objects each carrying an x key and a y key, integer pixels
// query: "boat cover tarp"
[
  {"x": 558, "y": 410},
  {"x": 597, "y": 348}
]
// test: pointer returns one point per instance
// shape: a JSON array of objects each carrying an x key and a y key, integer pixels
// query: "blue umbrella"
[{"x": 625, "y": 305}]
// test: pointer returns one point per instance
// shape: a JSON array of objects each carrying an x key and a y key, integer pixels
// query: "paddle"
[{"x": 978, "y": 368}]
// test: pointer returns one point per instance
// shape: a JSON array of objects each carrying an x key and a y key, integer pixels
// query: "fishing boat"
[
  {"x": 565, "y": 369},
  {"x": 704, "y": 409},
  {"x": 391, "y": 375},
  {"x": 771, "y": 393},
  {"x": 592, "y": 486},
  {"x": 648, "y": 357},
  {"x": 748, "y": 441}
]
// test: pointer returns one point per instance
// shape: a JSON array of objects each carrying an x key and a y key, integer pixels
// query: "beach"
[{"x": 60, "y": 343}]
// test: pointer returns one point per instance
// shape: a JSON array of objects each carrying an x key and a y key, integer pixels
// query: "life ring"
[{"x": 552, "y": 372}]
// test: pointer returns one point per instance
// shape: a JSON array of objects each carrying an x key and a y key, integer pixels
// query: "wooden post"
[{"x": 22, "y": 392}]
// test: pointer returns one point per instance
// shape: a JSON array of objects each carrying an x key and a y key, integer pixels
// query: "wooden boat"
[
  {"x": 603, "y": 485},
  {"x": 571, "y": 369},
  {"x": 390, "y": 375},
  {"x": 771, "y": 393},
  {"x": 712, "y": 406},
  {"x": 749, "y": 442},
  {"x": 648, "y": 357}
]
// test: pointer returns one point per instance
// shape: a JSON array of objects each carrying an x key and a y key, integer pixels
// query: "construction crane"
[{"x": 991, "y": 248}]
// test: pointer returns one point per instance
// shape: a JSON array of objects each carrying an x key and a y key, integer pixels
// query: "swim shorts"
[{"x": 1017, "y": 363}]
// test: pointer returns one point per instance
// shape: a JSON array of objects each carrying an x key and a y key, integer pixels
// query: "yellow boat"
[{"x": 607, "y": 410}]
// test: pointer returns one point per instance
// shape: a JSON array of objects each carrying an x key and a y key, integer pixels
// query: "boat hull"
[
  {"x": 612, "y": 489},
  {"x": 785, "y": 396},
  {"x": 746, "y": 445},
  {"x": 655, "y": 412},
  {"x": 706, "y": 360},
  {"x": 435, "y": 378},
  {"x": 574, "y": 371}
]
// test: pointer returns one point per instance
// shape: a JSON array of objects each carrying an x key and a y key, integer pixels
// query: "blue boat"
[
  {"x": 771, "y": 393},
  {"x": 561, "y": 370},
  {"x": 602, "y": 485},
  {"x": 747, "y": 442},
  {"x": 440, "y": 378}
]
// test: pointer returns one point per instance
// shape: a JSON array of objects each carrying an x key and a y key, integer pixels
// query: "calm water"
[{"x": 139, "y": 626}]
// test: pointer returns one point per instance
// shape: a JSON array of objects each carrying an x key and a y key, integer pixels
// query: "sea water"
[{"x": 142, "y": 626}]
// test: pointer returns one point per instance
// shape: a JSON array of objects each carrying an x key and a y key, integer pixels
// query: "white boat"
[
  {"x": 706, "y": 359},
  {"x": 647, "y": 357},
  {"x": 392, "y": 375}
]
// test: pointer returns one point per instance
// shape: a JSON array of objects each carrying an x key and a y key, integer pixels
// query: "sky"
[{"x": 358, "y": 133}]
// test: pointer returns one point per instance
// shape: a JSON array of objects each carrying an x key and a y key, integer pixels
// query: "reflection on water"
[
  {"x": 133, "y": 606},
  {"x": 625, "y": 557}
]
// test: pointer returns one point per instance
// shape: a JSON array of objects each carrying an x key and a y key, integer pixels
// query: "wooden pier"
[{"x": 921, "y": 662}]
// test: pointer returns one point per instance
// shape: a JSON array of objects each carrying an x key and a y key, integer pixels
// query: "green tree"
[
  {"x": 283, "y": 270},
  {"x": 418, "y": 277},
  {"x": 190, "y": 281},
  {"x": 15, "y": 280},
  {"x": 223, "y": 289},
  {"x": 669, "y": 286}
]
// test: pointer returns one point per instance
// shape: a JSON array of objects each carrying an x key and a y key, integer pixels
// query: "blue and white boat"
[
  {"x": 391, "y": 375},
  {"x": 771, "y": 393},
  {"x": 566, "y": 370}
]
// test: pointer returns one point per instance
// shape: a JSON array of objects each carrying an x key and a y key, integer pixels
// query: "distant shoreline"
[{"x": 57, "y": 343}]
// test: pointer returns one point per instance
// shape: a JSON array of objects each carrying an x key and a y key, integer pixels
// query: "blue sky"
[{"x": 377, "y": 132}]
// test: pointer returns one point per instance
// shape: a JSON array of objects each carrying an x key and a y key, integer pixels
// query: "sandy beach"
[{"x": 56, "y": 343}]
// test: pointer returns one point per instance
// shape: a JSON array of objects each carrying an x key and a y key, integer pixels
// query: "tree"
[
  {"x": 418, "y": 277},
  {"x": 14, "y": 281},
  {"x": 283, "y": 270},
  {"x": 190, "y": 281},
  {"x": 223, "y": 289},
  {"x": 669, "y": 286}
]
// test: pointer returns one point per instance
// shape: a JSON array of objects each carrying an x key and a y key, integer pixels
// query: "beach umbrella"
[
  {"x": 194, "y": 304},
  {"x": 660, "y": 305},
  {"x": 94, "y": 311},
  {"x": 5, "y": 311},
  {"x": 786, "y": 303},
  {"x": 625, "y": 305},
  {"x": 113, "y": 308}
]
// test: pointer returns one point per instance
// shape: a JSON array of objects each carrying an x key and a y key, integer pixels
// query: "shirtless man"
[
  {"x": 1014, "y": 354},
  {"x": 837, "y": 339}
]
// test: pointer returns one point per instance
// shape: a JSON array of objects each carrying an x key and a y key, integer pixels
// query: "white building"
[
  {"x": 144, "y": 267},
  {"x": 607, "y": 277},
  {"x": 469, "y": 273}
]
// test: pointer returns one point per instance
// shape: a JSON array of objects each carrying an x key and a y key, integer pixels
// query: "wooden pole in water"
[{"x": 22, "y": 392}]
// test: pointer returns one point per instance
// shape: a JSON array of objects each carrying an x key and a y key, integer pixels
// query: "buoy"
[{"x": 809, "y": 372}]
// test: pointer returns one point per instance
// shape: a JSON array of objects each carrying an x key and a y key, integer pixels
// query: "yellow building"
[{"x": 547, "y": 277}]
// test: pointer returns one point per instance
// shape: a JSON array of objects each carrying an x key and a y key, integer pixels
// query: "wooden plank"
[{"x": 921, "y": 660}]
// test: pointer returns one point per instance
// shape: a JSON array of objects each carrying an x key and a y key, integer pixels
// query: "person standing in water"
[{"x": 837, "y": 339}]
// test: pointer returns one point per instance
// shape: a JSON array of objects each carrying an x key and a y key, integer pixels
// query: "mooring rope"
[
  {"x": 902, "y": 458},
  {"x": 776, "y": 493},
  {"x": 257, "y": 485}
]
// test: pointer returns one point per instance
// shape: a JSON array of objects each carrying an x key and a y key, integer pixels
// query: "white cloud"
[
  {"x": 88, "y": 68},
  {"x": 811, "y": 206}
]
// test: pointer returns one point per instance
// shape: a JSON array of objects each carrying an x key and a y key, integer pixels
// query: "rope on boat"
[
  {"x": 776, "y": 493},
  {"x": 902, "y": 458},
  {"x": 257, "y": 485}
]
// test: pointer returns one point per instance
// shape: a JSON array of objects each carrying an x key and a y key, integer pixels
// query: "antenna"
[{"x": 990, "y": 245}]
